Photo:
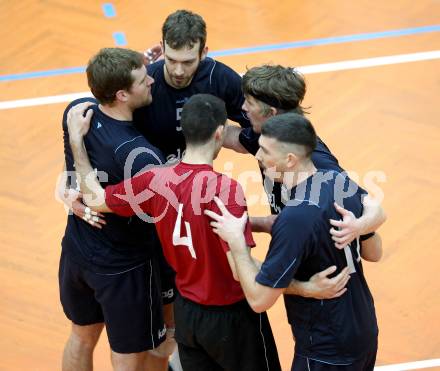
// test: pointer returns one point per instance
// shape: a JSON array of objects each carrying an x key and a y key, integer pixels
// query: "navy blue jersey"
[
  {"x": 116, "y": 151},
  {"x": 276, "y": 192},
  {"x": 339, "y": 330},
  {"x": 160, "y": 121}
]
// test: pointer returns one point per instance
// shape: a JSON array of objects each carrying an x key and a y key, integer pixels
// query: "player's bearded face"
[
  {"x": 270, "y": 159},
  {"x": 181, "y": 64},
  {"x": 140, "y": 91},
  {"x": 254, "y": 113}
]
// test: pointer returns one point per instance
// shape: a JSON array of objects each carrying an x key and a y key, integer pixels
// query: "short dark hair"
[
  {"x": 110, "y": 71},
  {"x": 201, "y": 115},
  {"x": 291, "y": 128},
  {"x": 184, "y": 28},
  {"x": 276, "y": 86}
]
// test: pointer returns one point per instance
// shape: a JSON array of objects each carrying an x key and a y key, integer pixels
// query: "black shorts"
[
  {"x": 366, "y": 363},
  {"x": 231, "y": 337},
  {"x": 167, "y": 277},
  {"x": 129, "y": 303}
]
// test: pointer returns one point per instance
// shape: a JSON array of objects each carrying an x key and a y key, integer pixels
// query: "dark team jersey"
[
  {"x": 276, "y": 192},
  {"x": 339, "y": 330},
  {"x": 116, "y": 151},
  {"x": 176, "y": 197},
  {"x": 160, "y": 121}
]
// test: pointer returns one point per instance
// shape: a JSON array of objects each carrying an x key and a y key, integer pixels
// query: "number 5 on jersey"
[{"x": 178, "y": 240}]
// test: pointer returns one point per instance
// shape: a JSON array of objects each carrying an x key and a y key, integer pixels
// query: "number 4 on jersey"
[{"x": 178, "y": 240}]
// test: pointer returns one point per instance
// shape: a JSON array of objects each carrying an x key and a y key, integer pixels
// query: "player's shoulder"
[
  {"x": 217, "y": 70},
  {"x": 155, "y": 68},
  {"x": 335, "y": 186},
  {"x": 136, "y": 145},
  {"x": 229, "y": 190},
  {"x": 78, "y": 101},
  {"x": 81, "y": 100},
  {"x": 309, "y": 199},
  {"x": 297, "y": 220},
  {"x": 323, "y": 158},
  {"x": 225, "y": 180},
  {"x": 300, "y": 211}
]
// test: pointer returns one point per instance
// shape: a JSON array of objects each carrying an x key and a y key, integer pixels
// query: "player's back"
[
  {"x": 123, "y": 242},
  {"x": 339, "y": 329},
  {"x": 195, "y": 252}
]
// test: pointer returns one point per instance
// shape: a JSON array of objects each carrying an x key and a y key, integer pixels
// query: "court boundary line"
[
  {"x": 417, "y": 365},
  {"x": 315, "y": 68},
  {"x": 327, "y": 41},
  {"x": 120, "y": 37}
]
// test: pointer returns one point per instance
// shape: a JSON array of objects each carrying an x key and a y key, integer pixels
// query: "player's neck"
[
  {"x": 200, "y": 155},
  {"x": 299, "y": 174},
  {"x": 117, "y": 112}
]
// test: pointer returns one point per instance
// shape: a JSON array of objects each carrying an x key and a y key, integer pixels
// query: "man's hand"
[
  {"x": 84, "y": 212},
  {"x": 226, "y": 225},
  {"x": 347, "y": 229},
  {"x": 72, "y": 199},
  {"x": 321, "y": 287},
  {"x": 78, "y": 124},
  {"x": 153, "y": 54}
]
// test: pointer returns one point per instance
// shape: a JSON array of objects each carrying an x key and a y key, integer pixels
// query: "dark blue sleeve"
[
  {"x": 291, "y": 243},
  {"x": 137, "y": 155},
  {"x": 354, "y": 202},
  {"x": 68, "y": 156},
  {"x": 323, "y": 158},
  {"x": 249, "y": 140},
  {"x": 365, "y": 237},
  {"x": 230, "y": 83}
]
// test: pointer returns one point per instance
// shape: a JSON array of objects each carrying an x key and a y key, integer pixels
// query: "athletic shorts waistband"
[{"x": 239, "y": 305}]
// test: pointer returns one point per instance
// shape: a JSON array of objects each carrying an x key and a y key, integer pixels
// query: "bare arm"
[
  {"x": 78, "y": 125},
  {"x": 262, "y": 223},
  {"x": 259, "y": 297},
  {"x": 232, "y": 265},
  {"x": 63, "y": 193},
  {"x": 372, "y": 248},
  {"x": 231, "y": 262},
  {"x": 230, "y": 229},
  {"x": 320, "y": 286},
  {"x": 372, "y": 217},
  {"x": 72, "y": 200},
  {"x": 231, "y": 140},
  {"x": 349, "y": 228}
]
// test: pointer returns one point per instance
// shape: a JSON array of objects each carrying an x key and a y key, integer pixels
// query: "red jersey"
[{"x": 176, "y": 197}]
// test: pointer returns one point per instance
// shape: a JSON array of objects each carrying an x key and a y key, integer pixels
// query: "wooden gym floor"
[{"x": 381, "y": 118}]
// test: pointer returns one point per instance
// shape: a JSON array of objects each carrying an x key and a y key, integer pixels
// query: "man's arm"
[
  {"x": 63, "y": 193},
  {"x": 371, "y": 249},
  {"x": 262, "y": 223},
  {"x": 153, "y": 54},
  {"x": 78, "y": 126},
  {"x": 320, "y": 286},
  {"x": 261, "y": 297},
  {"x": 232, "y": 265},
  {"x": 373, "y": 215},
  {"x": 231, "y": 229},
  {"x": 231, "y": 139},
  {"x": 72, "y": 200},
  {"x": 349, "y": 228}
]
